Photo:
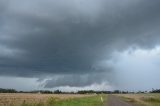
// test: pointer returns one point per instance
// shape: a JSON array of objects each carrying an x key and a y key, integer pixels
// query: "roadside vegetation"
[
  {"x": 150, "y": 99},
  {"x": 30, "y": 99},
  {"x": 83, "y": 101}
]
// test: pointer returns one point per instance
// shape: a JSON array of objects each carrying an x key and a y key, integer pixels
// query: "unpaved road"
[{"x": 115, "y": 101}]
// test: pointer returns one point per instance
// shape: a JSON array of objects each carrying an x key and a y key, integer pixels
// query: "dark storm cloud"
[{"x": 40, "y": 38}]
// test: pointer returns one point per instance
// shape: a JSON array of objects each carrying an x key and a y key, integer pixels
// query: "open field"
[
  {"x": 142, "y": 99},
  {"x": 21, "y": 99}
]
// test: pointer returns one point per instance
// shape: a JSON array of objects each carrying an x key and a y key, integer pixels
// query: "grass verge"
[
  {"x": 83, "y": 101},
  {"x": 142, "y": 99}
]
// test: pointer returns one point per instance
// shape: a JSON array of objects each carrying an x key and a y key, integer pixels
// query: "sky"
[{"x": 80, "y": 44}]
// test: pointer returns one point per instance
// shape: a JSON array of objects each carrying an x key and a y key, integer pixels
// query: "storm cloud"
[{"x": 71, "y": 42}]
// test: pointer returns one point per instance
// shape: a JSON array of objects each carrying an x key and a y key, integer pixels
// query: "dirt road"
[{"x": 115, "y": 101}]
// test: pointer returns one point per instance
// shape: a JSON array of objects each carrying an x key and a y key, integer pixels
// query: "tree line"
[
  {"x": 7, "y": 90},
  {"x": 78, "y": 92}
]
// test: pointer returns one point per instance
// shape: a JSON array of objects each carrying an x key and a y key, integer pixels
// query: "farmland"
[
  {"x": 149, "y": 99},
  {"x": 24, "y": 99},
  {"x": 35, "y": 99}
]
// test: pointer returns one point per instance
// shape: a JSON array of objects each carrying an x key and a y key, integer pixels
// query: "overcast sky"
[{"x": 80, "y": 44}]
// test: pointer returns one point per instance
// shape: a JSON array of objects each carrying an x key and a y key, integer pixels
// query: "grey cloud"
[
  {"x": 66, "y": 37},
  {"x": 75, "y": 80}
]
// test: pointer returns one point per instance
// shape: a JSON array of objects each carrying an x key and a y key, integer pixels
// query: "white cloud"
[{"x": 99, "y": 87}]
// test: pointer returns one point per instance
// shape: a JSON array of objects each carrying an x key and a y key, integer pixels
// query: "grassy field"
[
  {"x": 142, "y": 99},
  {"x": 51, "y": 100}
]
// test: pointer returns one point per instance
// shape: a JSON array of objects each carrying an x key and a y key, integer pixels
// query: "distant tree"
[
  {"x": 57, "y": 92},
  {"x": 86, "y": 92},
  {"x": 7, "y": 90},
  {"x": 46, "y": 92},
  {"x": 117, "y": 91},
  {"x": 155, "y": 91}
]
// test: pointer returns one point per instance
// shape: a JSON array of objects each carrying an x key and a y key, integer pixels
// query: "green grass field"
[{"x": 83, "y": 101}]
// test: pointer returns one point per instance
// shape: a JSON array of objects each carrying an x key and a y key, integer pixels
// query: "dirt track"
[{"x": 115, "y": 101}]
